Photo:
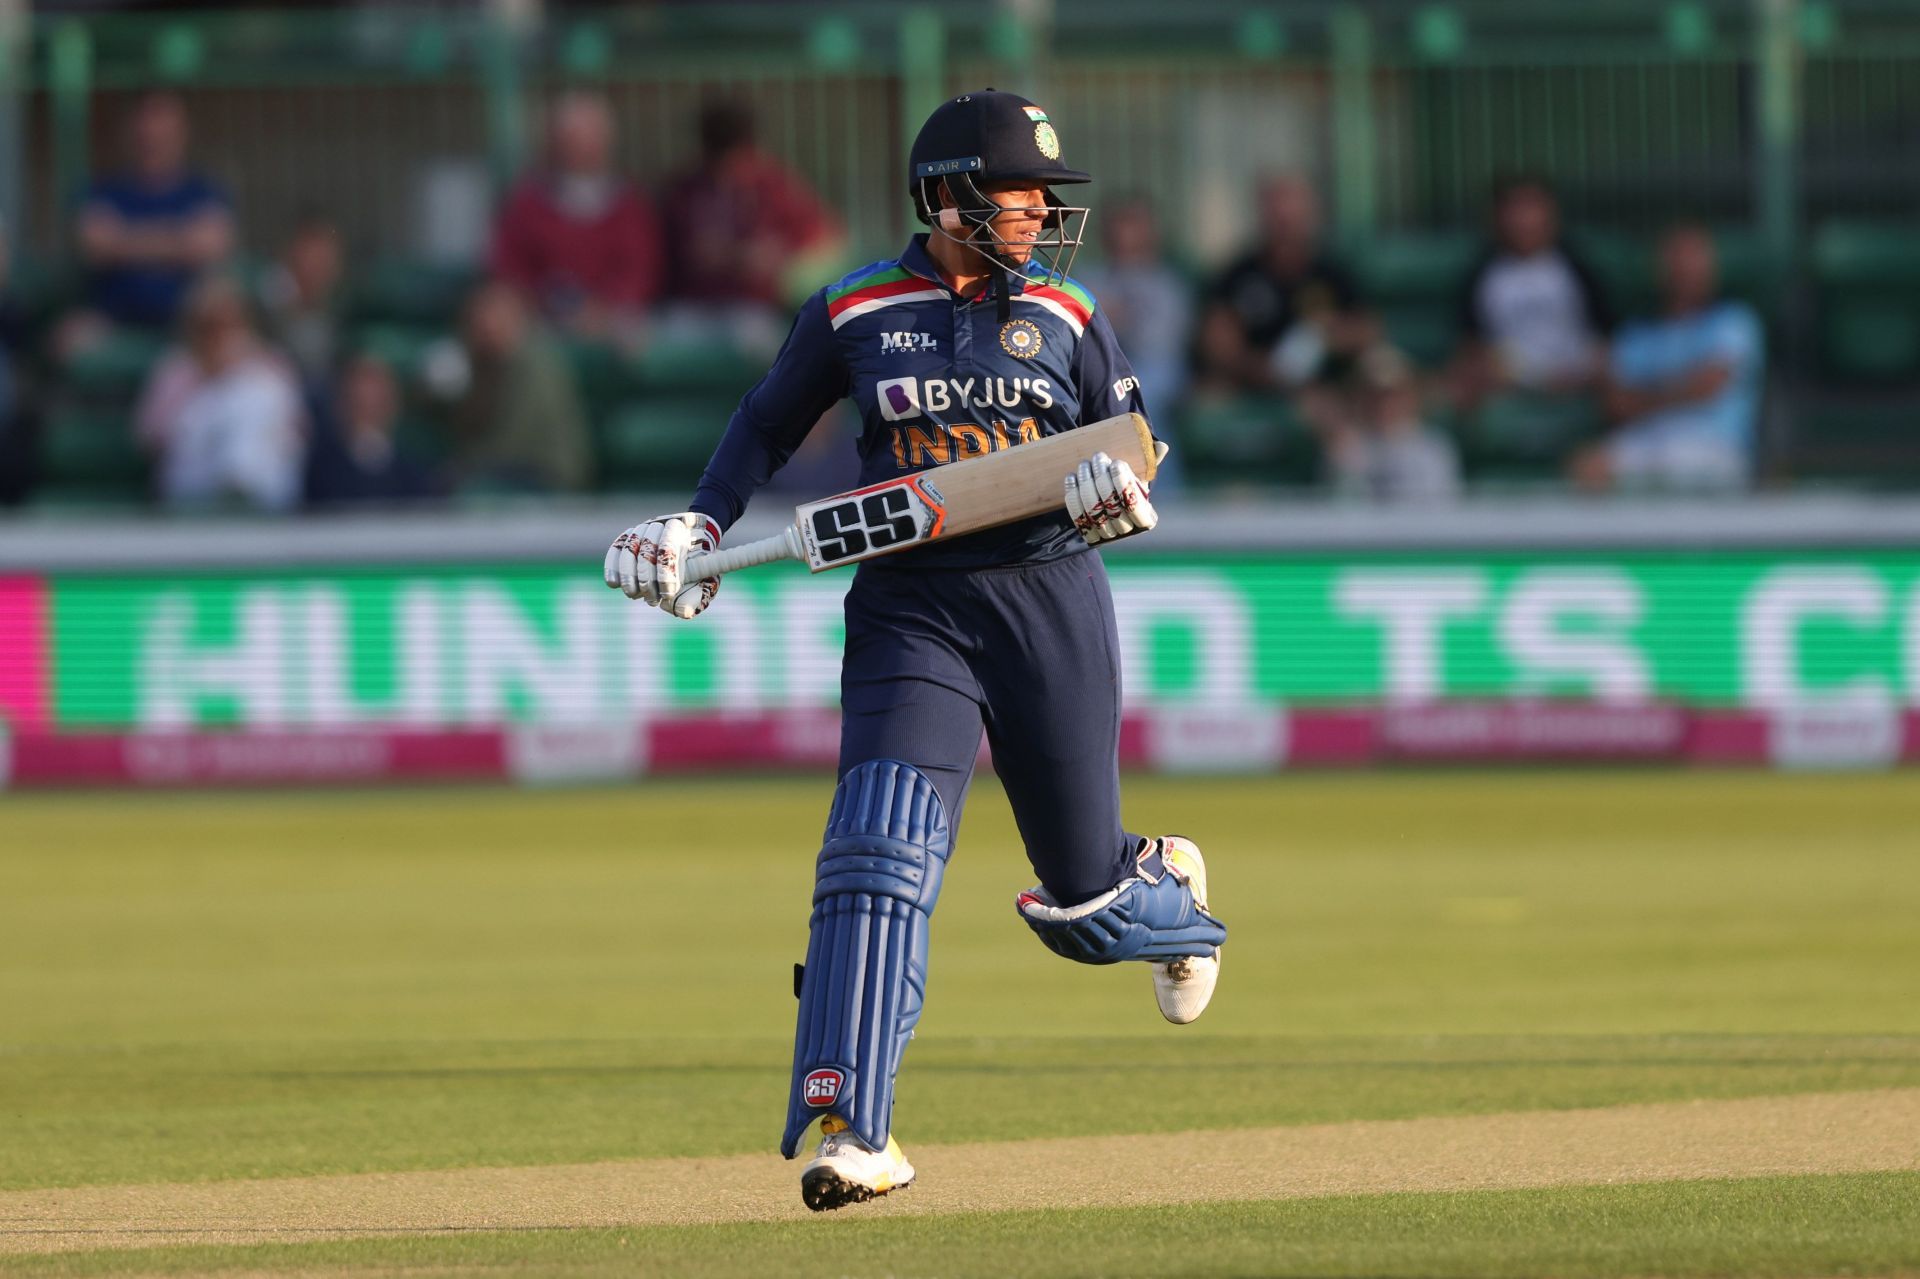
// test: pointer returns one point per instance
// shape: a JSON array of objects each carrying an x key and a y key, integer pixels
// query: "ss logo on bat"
[{"x": 857, "y": 526}]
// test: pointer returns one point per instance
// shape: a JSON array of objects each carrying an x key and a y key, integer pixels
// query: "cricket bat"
[{"x": 945, "y": 501}]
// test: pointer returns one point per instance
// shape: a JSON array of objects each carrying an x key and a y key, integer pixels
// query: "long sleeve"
[
  {"x": 1104, "y": 375},
  {"x": 807, "y": 378}
]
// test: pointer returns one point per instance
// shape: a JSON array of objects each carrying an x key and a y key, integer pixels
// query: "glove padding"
[
  {"x": 645, "y": 562},
  {"x": 1107, "y": 500}
]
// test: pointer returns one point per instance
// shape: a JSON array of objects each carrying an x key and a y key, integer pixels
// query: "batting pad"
[
  {"x": 865, "y": 977},
  {"x": 1150, "y": 916}
]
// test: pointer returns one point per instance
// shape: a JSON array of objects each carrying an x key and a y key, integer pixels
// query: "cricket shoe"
[
  {"x": 845, "y": 1171},
  {"x": 1183, "y": 986}
]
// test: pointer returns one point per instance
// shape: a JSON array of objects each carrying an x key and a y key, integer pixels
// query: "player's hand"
[
  {"x": 646, "y": 561},
  {"x": 1107, "y": 500}
]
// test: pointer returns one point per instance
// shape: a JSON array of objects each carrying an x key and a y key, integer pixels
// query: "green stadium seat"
[
  {"x": 1413, "y": 283},
  {"x": 1415, "y": 265},
  {"x": 1522, "y": 436},
  {"x": 602, "y": 376},
  {"x": 696, "y": 366},
  {"x": 41, "y": 290},
  {"x": 409, "y": 291},
  {"x": 89, "y": 455},
  {"x": 660, "y": 442},
  {"x": 1867, "y": 282},
  {"x": 1861, "y": 441},
  {"x": 1624, "y": 265},
  {"x": 116, "y": 366},
  {"x": 400, "y": 346},
  {"x": 1425, "y": 332},
  {"x": 1258, "y": 440},
  {"x": 1748, "y": 268}
]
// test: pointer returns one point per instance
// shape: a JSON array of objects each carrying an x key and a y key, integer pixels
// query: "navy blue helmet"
[{"x": 986, "y": 137}]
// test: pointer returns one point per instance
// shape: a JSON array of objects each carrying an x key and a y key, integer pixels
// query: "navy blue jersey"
[{"x": 937, "y": 378}]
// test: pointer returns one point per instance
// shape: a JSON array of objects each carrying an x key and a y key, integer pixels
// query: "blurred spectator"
[
  {"x": 513, "y": 409},
  {"x": 1685, "y": 388},
  {"x": 221, "y": 413},
  {"x": 1146, "y": 300},
  {"x": 746, "y": 231},
  {"x": 1286, "y": 316},
  {"x": 576, "y": 237},
  {"x": 1534, "y": 316},
  {"x": 355, "y": 456},
  {"x": 1386, "y": 449},
  {"x": 300, "y": 299},
  {"x": 145, "y": 232}
]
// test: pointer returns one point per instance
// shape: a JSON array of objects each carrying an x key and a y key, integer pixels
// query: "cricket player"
[{"x": 973, "y": 340}]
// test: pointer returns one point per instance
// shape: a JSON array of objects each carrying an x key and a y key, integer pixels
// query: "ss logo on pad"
[{"x": 822, "y": 1087}]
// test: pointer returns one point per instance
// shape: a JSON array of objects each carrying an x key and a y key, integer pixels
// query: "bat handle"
[{"x": 784, "y": 545}]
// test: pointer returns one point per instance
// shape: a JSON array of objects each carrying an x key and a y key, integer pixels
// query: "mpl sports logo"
[
  {"x": 822, "y": 1087},
  {"x": 906, "y": 342},
  {"x": 902, "y": 398}
]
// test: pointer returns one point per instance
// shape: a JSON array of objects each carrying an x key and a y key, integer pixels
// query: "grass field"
[{"x": 1473, "y": 997}]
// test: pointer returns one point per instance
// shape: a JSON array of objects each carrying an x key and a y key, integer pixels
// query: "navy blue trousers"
[{"x": 1027, "y": 652}]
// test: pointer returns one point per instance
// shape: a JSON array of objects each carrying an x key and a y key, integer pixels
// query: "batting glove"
[
  {"x": 645, "y": 562},
  {"x": 1108, "y": 501}
]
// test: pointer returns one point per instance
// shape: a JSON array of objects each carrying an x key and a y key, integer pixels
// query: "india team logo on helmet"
[
  {"x": 822, "y": 1087},
  {"x": 1020, "y": 339},
  {"x": 1043, "y": 135}
]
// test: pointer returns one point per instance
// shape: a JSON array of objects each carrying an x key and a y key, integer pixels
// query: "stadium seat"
[
  {"x": 604, "y": 379},
  {"x": 1624, "y": 265},
  {"x": 1862, "y": 440},
  {"x": 1522, "y": 436},
  {"x": 697, "y": 366},
  {"x": 1867, "y": 284},
  {"x": 660, "y": 442},
  {"x": 116, "y": 367},
  {"x": 1413, "y": 283},
  {"x": 400, "y": 346},
  {"x": 410, "y": 291},
  {"x": 1256, "y": 440},
  {"x": 88, "y": 455}
]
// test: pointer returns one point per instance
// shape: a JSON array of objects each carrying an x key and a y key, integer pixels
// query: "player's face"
[{"x": 1025, "y": 219}]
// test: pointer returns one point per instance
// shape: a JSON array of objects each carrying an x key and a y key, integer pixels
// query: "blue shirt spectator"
[
  {"x": 147, "y": 231},
  {"x": 1685, "y": 387},
  {"x": 355, "y": 455},
  {"x": 1147, "y": 301}
]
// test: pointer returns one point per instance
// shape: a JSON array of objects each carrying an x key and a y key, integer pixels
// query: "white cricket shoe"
[
  {"x": 845, "y": 1172},
  {"x": 1182, "y": 987}
]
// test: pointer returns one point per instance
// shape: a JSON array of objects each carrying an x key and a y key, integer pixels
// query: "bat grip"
[{"x": 784, "y": 545}]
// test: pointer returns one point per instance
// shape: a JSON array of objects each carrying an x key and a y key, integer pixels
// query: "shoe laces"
[{"x": 1180, "y": 970}]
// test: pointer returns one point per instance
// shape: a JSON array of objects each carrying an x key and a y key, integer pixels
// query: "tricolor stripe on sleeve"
[
  {"x": 1069, "y": 301},
  {"x": 882, "y": 287}
]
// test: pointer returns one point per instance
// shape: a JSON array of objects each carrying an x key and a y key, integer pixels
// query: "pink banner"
[
  {"x": 1255, "y": 742},
  {"x": 250, "y": 758},
  {"x": 24, "y": 664},
  {"x": 1531, "y": 730}
]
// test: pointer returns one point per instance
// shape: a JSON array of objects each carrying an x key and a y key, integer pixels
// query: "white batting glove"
[
  {"x": 1107, "y": 500},
  {"x": 645, "y": 562}
]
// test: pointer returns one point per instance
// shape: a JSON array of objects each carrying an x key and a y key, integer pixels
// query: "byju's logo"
[
  {"x": 904, "y": 397},
  {"x": 894, "y": 343},
  {"x": 899, "y": 398}
]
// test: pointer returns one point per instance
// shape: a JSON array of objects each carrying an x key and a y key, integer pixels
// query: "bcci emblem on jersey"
[{"x": 1020, "y": 339}]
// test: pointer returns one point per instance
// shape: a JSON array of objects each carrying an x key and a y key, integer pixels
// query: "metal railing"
[{"x": 1758, "y": 112}]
